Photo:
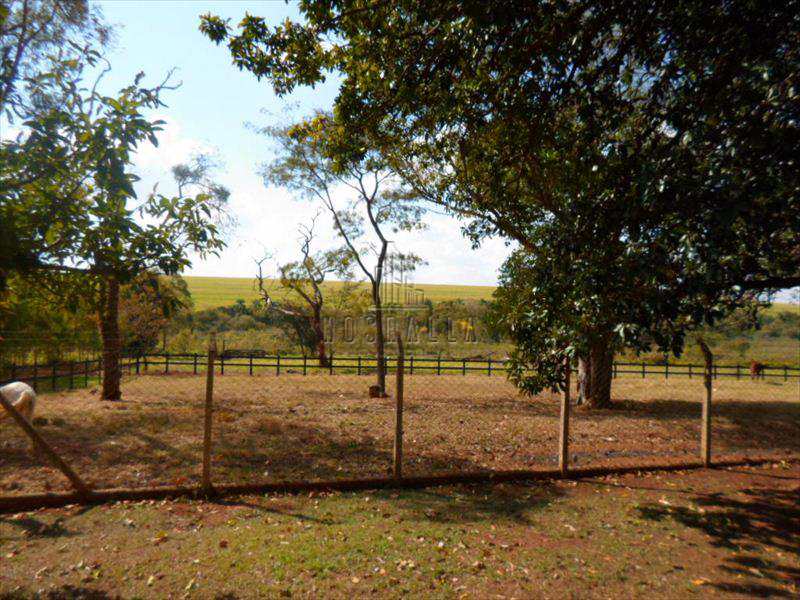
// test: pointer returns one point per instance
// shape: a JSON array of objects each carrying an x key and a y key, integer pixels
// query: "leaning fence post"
[
  {"x": 40, "y": 444},
  {"x": 705, "y": 427},
  {"x": 209, "y": 408},
  {"x": 563, "y": 434},
  {"x": 398, "y": 424}
]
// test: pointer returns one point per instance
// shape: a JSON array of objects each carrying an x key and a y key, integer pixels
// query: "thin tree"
[
  {"x": 303, "y": 279},
  {"x": 375, "y": 204}
]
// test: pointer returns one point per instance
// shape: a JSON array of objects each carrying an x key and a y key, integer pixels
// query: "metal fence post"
[
  {"x": 251, "y": 364},
  {"x": 54, "y": 376},
  {"x": 439, "y": 364},
  {"x": 563, "y": 433},
  {"x": 305, "y": 364},
  {"x": 278, "y": 364},
  {"x": 358, "y": 369},
  {"x": 411, "y": 365},
  {"x": 71, "y": 374},
  {"x": 35, "y": 385},
  {"x": 86, "y": 373},
  {"x": 209, "y": 409},
  {"x": 642, "y": 369},
  {"x": 490, "y": 366},
  {"x": 166, "y": 362},
  {"x": 398, "y": 423}
]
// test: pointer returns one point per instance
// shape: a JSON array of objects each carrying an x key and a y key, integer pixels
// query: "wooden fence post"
[
  {"x": 705, "y": 425},
  {"x": 563, "y": 434},
  {"x": 398, "y": 424},
  {"x": 41, "y": 445},
  {"x": 209, "y": 408}
]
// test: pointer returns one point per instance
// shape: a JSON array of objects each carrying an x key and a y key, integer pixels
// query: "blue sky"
[{"x": 208, "y": 113}]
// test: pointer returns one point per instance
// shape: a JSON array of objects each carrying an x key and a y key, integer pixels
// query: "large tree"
[
  {"x": 361, "y": 194},
  {"x": 642, "y": 155},
  {"x": 68, "y": 205}
]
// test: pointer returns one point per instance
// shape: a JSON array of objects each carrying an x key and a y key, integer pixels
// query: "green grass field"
[{"x": 210, "y": 292}]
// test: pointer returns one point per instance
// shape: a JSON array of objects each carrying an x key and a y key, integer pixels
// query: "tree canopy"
[{"x": 641, "y": 155}]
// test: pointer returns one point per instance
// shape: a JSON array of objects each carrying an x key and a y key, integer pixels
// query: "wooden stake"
[
  {"x": 209, "y": 408},
  {"x": 40, "y": 444},
  {"x": 705, "y": 425},
  {"x": 398, "y": 425},
  {"x": 563, "y": 442}
]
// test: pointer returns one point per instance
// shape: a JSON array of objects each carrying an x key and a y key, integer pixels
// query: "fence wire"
[{"x": 292, "y": 419}]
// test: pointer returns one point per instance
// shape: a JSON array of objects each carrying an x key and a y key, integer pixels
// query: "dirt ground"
[
  {"x": 720, "y": 533},
  {"x": 270, "y": 428}
]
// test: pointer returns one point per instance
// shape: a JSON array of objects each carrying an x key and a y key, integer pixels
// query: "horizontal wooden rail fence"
[{"x": 67, "y": 375}]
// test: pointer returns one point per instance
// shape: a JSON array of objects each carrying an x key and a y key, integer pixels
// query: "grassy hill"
[{"x": 210, "y": 292}]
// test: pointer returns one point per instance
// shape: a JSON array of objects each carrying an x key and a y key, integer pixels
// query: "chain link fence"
[{"x": 289, "y": 418}]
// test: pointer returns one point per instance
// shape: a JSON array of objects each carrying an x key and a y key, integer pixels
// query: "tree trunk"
[
  {"x": 380, "y": 344},
  {"x": 109, "y": 331},
  {"x": 319, "y": 334},
  {"x": 594, "y": 375}
]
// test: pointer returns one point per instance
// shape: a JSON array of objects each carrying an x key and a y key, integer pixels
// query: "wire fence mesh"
[{"x": 288, "y": 418}]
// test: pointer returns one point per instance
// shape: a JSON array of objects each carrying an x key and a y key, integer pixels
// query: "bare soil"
[{"x": 269, "y": 428}]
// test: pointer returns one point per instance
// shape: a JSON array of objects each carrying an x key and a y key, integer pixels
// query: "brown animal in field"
[{"x": 756, "y": 369}]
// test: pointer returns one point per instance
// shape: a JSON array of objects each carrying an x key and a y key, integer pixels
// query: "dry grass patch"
[{"x": 324, "y": 427}]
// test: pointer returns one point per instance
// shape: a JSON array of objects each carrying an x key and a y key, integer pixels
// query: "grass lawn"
[
  {"x": 289, "y": 427},
  {"x": 718, "y": 533}
]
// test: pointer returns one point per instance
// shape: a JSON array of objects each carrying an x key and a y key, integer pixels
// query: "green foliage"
[
  {"x": 67, "y": 192},
  {"x": 40, "y": 36},
  {"x": 641, "y": 155}
]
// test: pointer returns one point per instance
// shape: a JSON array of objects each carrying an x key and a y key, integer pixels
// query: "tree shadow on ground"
[
  {"x": 31, "y": 527},
  {"x": 766, "y": 519},
  {"x": 509, "y": 503},
  {"x": 65, "y": 592}
]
